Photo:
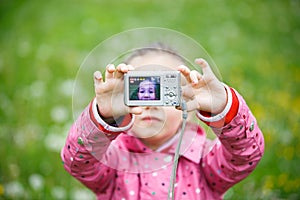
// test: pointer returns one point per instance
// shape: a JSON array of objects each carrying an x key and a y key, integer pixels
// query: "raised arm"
[
  {"x": 240, "y": 143},
  {"x": 85, "y": 150},
  {"x": 90, "y": 136},
  {"x": 238, "y": 148}
]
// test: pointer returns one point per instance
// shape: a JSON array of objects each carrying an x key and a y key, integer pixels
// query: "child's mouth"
[{"x": 150, "y": 119}]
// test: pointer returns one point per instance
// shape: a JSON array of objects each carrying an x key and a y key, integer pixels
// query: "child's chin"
[{"x": 146, "y": 134}]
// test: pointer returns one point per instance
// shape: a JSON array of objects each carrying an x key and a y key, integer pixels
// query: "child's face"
[
  {"x": 156, "y": 125},
  {"x": 146, "y": 90}
]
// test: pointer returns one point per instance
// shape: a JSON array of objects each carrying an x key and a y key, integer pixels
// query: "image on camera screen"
[{"x": 144, "y": 88}]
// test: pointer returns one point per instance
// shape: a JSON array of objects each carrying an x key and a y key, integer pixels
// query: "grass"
[{"x": 255, "y": 45}]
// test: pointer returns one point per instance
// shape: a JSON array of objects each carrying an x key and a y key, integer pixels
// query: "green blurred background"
[{"x": 255, "y": 44}]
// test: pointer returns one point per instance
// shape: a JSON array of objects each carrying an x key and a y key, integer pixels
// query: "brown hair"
[{"x": 158, "y": 47}]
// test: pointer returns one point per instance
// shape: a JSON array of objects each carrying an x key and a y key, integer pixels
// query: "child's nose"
[
  {"x": 147, "y": 94},
  {"x": 146, "y": 107},
  {"x": 150, "y": 107}
]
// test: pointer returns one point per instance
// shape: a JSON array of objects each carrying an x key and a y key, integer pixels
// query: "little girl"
[{"x": 122, "y": 152}]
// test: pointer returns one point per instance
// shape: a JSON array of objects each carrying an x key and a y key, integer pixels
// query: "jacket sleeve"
[
  {"x": 85, "y": 147},
  {"x": 238, "y": 148}
]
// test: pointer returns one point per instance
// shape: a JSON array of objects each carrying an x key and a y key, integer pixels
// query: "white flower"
[
  {"x": 36, "y": 181},
  {"x": 14, "y": 189},
  {"x": 59, "y": 192}
]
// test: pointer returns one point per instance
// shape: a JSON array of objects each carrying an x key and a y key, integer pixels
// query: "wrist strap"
[{"x": 103, "y": 125}]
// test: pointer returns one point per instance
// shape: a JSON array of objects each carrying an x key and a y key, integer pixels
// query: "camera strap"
[{"x": 171, "y": 191}]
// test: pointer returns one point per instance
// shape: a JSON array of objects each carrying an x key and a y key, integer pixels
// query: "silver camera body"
[{"x": 163, "y": 88}]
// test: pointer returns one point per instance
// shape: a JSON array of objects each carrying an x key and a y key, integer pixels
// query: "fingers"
[
  {"x": 121, "y": 69},
  {"x": 109, "y": 73},
  {"x": 185, "y": 71},
  {"x": 117, "y": 72},
  {"x": 112, "y": 74},
  {"x": 193, "y": 77},
  {"x": 206, "y": 69}
]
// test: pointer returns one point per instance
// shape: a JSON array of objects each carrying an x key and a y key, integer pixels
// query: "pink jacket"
[{"x": 116, "y": 165}]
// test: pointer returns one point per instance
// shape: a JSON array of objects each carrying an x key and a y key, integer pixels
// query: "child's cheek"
[{"x": 173, "y": 118}]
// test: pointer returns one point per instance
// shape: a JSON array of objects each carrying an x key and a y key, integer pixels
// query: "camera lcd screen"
[{"x": 144, "y": 88}]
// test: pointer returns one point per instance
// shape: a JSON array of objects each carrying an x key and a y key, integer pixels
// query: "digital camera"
[{"x": 152, "y": 88}]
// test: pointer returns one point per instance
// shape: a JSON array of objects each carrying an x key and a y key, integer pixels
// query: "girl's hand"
[
  {"x": 110, "y": 93},
  {"x": 203, "y": 91}
]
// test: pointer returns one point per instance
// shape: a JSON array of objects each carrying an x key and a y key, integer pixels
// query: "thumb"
[
  {"x": 135, "y": 110},
  {"x": 192, "y": 105},
  {"x": 97, "y": 77}
]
